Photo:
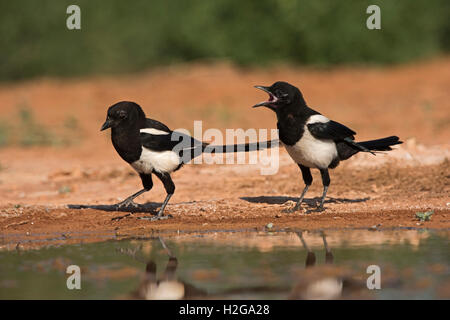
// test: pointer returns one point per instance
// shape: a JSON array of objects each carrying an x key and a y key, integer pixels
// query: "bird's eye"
[
  {"x": 283, "y": 97},
  {"x": 122, "y": 114},
  {"x": 280, "y": 94}
]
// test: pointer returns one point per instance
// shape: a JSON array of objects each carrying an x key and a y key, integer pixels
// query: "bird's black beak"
[
  {"x": 106, "y": 125},
  {"x": 269, "y": 103}
]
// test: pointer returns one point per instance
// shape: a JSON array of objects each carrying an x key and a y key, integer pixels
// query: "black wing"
[
  {"x": 184, "y": 145},
  {"x": 155, "y": 124},
  {"x": 157, "y": 142},
  {"x": 330, "y": 130}
]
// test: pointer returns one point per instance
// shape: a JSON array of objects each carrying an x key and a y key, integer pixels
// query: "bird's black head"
[
  {"x": 123, "y": 114},
  {"x": 281, "y": 94}
]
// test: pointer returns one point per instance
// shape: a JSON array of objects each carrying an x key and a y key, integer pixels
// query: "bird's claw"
[
  {"x": 291, "y": 210},
  {"x": 296, "y": 207},
  {"x": 127, "y": 203}
]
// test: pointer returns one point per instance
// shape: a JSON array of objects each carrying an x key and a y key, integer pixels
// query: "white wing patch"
[
  {"x": 154, "y": 131},
  {"x": 160, "y": 161},
  {"x": 317, "y": 118},
  {"x": 312, "y": 152}
]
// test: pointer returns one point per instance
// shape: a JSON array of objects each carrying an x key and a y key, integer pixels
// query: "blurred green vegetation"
[
  {"x": 119, "y": 36},
  {"x": 33, "y": 133},
  {"x": 4, "y": 133},
  {"x": 27, "y": 131}
]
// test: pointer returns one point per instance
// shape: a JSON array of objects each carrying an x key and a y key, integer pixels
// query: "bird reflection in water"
[
  {"x": 167, "y": 286},
  {"x": 315, "y": 282},
  {"x": 322, "y": 287}
]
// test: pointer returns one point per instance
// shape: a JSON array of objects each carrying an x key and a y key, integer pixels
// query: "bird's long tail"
[
  {"x": 246, "y": 147},
  {"x": 196, "y": 148},
  {"x": 348, "y": 147},
  {"x": 383, "y": 144}
]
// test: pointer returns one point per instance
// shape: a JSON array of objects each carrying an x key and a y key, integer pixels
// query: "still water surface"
[{"x": 240, "y": 265}]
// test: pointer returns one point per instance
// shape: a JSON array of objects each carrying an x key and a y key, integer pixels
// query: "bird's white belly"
[
  {"x": 312, "y": 152},
  {"x": 160, "y": 161}
]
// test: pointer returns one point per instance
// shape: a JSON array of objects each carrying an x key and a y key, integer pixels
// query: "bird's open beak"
[
  {"x": 106, "y": 125},
  {"x": 269, "y": 103}
]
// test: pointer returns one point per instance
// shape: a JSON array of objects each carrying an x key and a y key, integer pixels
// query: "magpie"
[
  {"x": 150, "y": 147},
  {"x": 311, "y": 139}
]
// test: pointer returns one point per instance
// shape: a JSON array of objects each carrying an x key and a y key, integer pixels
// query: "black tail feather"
[
  {"x": 255, "y": 146},
  {"x": 347, "y": 148},
  {"x": 197, "y": 148},
  {"x": 381, "y": 144}
]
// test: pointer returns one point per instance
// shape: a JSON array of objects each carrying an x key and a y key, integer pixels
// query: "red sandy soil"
[{"x": 411, "y": 101}]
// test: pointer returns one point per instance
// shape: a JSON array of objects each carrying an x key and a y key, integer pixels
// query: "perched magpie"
[
  {"x": 311, "y": 139},
  {"x": 150, "y": 147}
]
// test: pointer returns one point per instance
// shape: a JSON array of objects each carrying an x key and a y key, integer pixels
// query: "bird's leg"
[
  {"x": 166, "y": 248},
  {"x": 172, "y": 264},
  {"x": 170, "y": 189},
  {"x": 326, "y": 183},
  {"x": 147, "y": 182},
  {"x": 328, "y": 255},
  {"x": 307, "y": 178},
  {"x": 160, "y": 215},
  {"x": 311, "y": 256},
  {"x": 299, "y": 202},
  {"x": 128, "y": 202},
  {"x": 171, "y": 268},
  {"x": 150, "y": 271}
]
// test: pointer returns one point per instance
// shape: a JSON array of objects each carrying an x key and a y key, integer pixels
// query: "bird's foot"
[
  {"x": 320, "y": 208},
  {"x": 127, "y": 203},
  {"x": 156, "y": 218},
  {"x": 292, "y": 210},
  {"x": 295, "y": 208}
]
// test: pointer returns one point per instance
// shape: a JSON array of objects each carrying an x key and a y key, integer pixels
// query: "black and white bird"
[
  {"x": 311, "y": 139},
  {"x": 150, "y": 147}
]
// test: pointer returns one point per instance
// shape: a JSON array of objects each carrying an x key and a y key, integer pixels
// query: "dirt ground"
[{"x": 412, "y": 101}]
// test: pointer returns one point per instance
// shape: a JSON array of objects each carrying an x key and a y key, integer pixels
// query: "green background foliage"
[{"x": 121, "y": 36}]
